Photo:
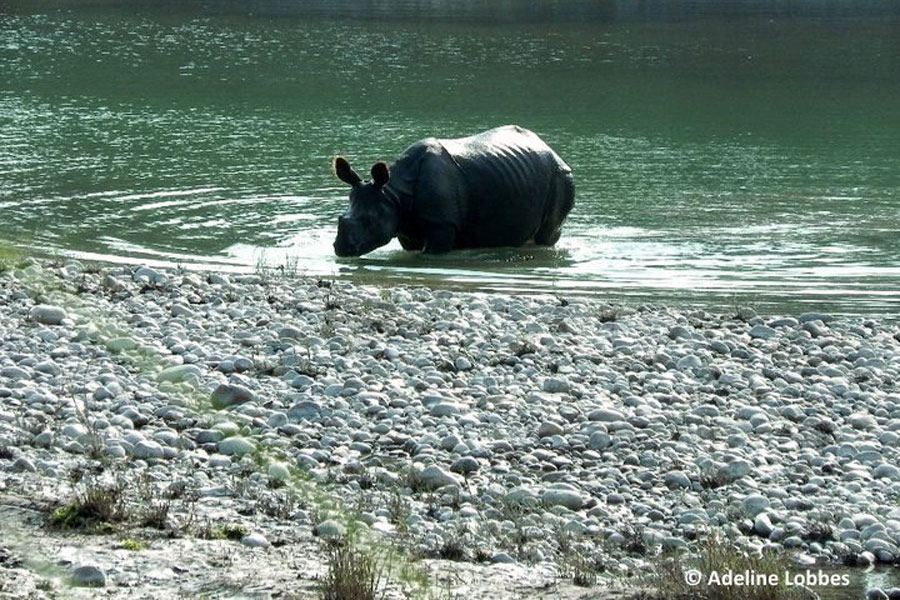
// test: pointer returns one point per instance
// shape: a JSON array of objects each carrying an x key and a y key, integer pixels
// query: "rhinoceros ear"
[
  {"x": 380, "y": 174},
  {"x": 344, "y": 172}
]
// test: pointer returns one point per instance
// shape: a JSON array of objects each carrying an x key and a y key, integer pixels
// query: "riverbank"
[{"x": 518, "y": 443}]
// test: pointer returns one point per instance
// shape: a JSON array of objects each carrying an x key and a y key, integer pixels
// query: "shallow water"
[{"x": 747, "y": 156}]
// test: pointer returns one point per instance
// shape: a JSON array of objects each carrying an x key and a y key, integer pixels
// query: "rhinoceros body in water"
[{"x": 502, "y": 187}]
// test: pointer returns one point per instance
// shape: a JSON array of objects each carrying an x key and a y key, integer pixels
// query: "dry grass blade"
[{"x": 352, "y": 574}]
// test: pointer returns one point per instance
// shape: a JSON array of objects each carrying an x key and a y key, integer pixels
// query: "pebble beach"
[{"x": 499, "y": 440}]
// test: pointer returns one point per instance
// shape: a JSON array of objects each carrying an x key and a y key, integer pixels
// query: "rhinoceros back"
[
  {"x": 493, "y": 187},
  {"x": 509, "y": 177}
]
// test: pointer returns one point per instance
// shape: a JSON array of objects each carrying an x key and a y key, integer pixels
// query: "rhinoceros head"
[{"x": 372, "y": 219}]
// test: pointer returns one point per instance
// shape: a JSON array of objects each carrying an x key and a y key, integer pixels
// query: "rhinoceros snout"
[{"x": 344, "y": 244}]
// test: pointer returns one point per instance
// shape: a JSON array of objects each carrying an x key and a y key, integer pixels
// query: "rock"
[
  {"x": 754, "y": 504},
  {"x": 331, "y": 529},
  {"x": 555, "y": 385},
  {"x": 876, "y": 594},
  {"x": 88, "y": 576},
  {"x": 689, "y": 362},
  {"x": 179, "y": 373},
  {"x": 74, "y": 430},
  {"x": 435, "y": 477},
  {"x": 548, "y": 429},
  {"x": 814, "y": 316},
  {"x": 23, "y": 465},
  {"x": 14, "y": 373},
  {"x": 674, "y": 543},
  {"x": 677, "y": 479},
  {"x": 180, "y": 310},
  {"x": 762, "y": 332},
  {"x": 305, "y": 410},
  {"x": 559, "y": 497},
  {"x": 886, "y": 471},
  {"x": 862, "y": 421},
  {"x": 445, "y": 409},
  {"x": 278, "y": 470},
  {"x": 236, "y": 446},
  {"x": 121, "y": 344},
  {"x": 599, "y": 440},
  {"x": 745, "y": 313},
  {"x": 734, "y": 470},
  {"x": 521, "y": 495},
  {"x": 148, "y": 449},
  {"x": 48, "y": 367},
  {"x": 784, "y": 322},
  {"x": 762, "y": 525},
  {"x": 48, "y": 314},
  {"x": 464, "y": 465},
  {"x": 255, "y": 540},
  {"x": 227, "y": 394},
  {"x": 502, "y": 558},
  {"x": 605, "y": 415},
  {"x": 463, "y": 364}
]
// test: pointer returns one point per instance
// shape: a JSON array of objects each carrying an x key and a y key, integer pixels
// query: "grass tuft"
[
  {"x": 720, "y": 557},
  {"x": 131, "y": 544},
  {"x": 352, "y": 574},
  {"x": 95, "y": 507}
]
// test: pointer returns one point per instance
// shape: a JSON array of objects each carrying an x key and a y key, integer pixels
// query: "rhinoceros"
[{"x": 501, "y": 187}]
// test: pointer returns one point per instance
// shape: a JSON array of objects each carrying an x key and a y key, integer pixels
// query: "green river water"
[{"x": 730, "y": 157}]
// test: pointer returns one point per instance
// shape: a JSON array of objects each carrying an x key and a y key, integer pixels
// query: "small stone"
[
  {"x": 436, "y": 477},
  {"x": 689, "y": 362},
  {"x": 278, "y": 470},
  {"x": 88, "y": 576},
  {"x": 549, "y": 428},
  {"x": 466, "y": 464},
  {"x": 605, "y": 415},
  {"x": 227, "y": 394},
  {"x": 73, "y": 430},
  {"x": 677, "y": 479},
  {"x": 147, "y": 449},
  {"x": 502, "y": 557},
  {"x": 674, "y": 543},
  {"x": 862, "y": 421},
  {"x": 784, "y": 322},
  {"x": 236, "y": 446},
  {"x": 886, "y": 471},
  {"x": 179, "y": 373},
  {"x": 23, "y": 465},
  {"x": 180, "y": 310},
  {"x": 330, "y": 529},
  {"x": 559, "y": 497},
  {"x": 445, "y": 409},
  {"x": 555, "y": 385},
  {"x": 734, "y": 470},
  {"x": 255, "y": 540},
  {"x": 14, "y": 373},
  {"x": 814, "y": 316},
  {"x": 120, "y": 344},
  {"x": 762, "y": 525},
  {"x": 599, "y": 440},
  {"x": 305, "y": 410},
  {"x": 762, "y": 332},
  {"x": 755, "y": 504},
  {"x": 745, "y": 313},
  {"x": 463, "y": 364},
  {"x": 48, "y": 315}
]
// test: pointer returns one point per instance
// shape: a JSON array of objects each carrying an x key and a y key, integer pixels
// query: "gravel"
[{"x": 508, "y": 418}]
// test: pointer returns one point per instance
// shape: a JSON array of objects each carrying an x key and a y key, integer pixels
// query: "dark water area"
[{"x": 725, "y": 153}]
